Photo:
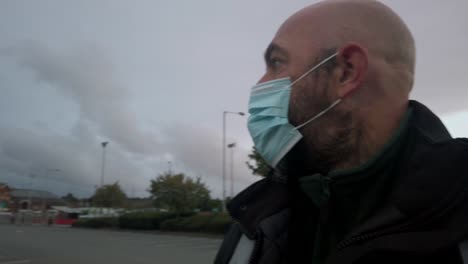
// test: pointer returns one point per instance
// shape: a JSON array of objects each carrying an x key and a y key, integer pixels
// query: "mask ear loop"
[
  {"x": 304, "y": 75},
  {"x": 319, "y": 114},
  {"x": 314, "y": 68}
]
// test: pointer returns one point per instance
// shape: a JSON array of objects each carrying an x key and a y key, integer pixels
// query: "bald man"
[{"x": 360, "y": 174}]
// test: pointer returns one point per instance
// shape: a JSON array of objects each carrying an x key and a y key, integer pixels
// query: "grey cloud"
[
  {"x": 89, "y": 78},
  {"x": 25, "y": 152},
  {"x": 33, "y": 153},
  {"x": 196, "y": 153},
  {"x": 198, "y": 150}
]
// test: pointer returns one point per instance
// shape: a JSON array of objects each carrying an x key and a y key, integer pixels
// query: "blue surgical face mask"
[{"x": 268, "y": 124}]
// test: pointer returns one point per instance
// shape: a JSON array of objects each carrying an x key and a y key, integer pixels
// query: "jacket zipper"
[{"x": 357, "y": 239}]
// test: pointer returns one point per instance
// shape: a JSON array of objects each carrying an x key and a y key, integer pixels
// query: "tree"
[
  {"x": 179, "y": 193},
  {"x": 211, "y": 205},
  {"x": 260, "y": 166},
  {"x": 70, "y": 199},
  {"x": 109, "y": 196}
]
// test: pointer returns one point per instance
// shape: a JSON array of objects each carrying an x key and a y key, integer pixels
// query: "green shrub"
[
  {"x": 219, "y": 224},
  {"x": 145, "y": 220},
  {"x": 211, "y": 223},
  {"x": 172, "y": 224},
  {"x": 194, "y": 223},
  {"x": 187, "y": 222},
  {"x": 100, "y": 222},
  {"x": 197, "y": 223}
]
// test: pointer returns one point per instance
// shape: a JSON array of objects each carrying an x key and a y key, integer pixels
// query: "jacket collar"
[
  {"x": 428, "y": 124},
  {"x": 432, "y": 178},
  {"x": 262, "y": 199}
]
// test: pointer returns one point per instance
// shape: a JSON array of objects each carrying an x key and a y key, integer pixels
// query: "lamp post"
[
  {"x": 44, "y": 199},
  {"x": 224, "y": 155},
  {"x": 46, "y": 175},
  {"x": 231, "y": 147},
  {"x": 169, "y": 167},
  {"x": 103, "y": 144},
  {"x": 30, "y": 190}
]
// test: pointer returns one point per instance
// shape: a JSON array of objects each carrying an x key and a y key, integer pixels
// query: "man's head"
[{"x": 372, "y": 74}]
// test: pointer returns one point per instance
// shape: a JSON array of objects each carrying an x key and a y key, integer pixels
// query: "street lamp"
[
  {"x": 44, "y": 199},
  {"x": 103, "y": 144},
  {"x": 50, "y": 170},
  {"x": 231, "y": 147},
  {"x": 224, "y": 155},
  {"x": 46, "y": 175},
  {"x": 30, "y": 190},
  {"x": 169, "y": 167}
]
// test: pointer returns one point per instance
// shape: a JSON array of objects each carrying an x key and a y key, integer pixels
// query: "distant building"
[
  {"x": 18, "y": 199},
  {"x": 34, "y": 199},
  {"x": 5, "y": 197}
]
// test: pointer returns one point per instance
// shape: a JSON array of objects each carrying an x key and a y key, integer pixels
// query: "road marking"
[
  {"x": 210, "y": 243},
  {"x": 168, "y": 241},
  {"x": 196, "y": 239},
  {"x": 149, "y": 239},
  {"x": 17, "y": 261},
  {"x": 182, "y": 243},
  {"x": 206, "y": 246},
  {"x": 184, "y": 240}
]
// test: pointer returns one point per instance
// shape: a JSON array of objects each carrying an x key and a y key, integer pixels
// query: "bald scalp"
[{"x": 333, "y": 23}]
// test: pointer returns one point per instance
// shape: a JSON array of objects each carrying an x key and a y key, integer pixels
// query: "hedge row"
[
  {"x": 203, "y": 222},
  {"x": 209, "y": 223},
  {"x": 101, "y": 222},
  {"x": 143, "y": 221}
]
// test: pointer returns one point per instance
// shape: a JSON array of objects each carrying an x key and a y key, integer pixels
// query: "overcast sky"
[{"x": 153, "y": 78}]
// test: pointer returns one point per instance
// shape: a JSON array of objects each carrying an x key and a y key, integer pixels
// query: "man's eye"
[{"x": 275, "y": 63}]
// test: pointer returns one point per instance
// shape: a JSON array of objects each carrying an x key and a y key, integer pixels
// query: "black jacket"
[{"x": 425, "y": 220}]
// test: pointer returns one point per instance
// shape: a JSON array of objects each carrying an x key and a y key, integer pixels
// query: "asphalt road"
[{"x": 58, "y": 245}]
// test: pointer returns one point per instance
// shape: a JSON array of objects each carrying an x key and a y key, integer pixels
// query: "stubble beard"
[{"x": 327, "y": 142}]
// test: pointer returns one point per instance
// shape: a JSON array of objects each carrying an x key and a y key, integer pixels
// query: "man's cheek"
[
  {"x": 297, "y": 105},
  {"x": 293, "y": 113}
]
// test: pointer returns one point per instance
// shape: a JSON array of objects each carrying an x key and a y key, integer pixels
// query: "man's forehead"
[
  {"x": 294, "y": 41},
  {"x": 309, "y": 25},
  {"x": 303, "y": 20}
]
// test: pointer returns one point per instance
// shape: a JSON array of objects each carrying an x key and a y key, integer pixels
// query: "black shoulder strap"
[
  {"x": 463, "y": 247},
  {"x": 231, "y": 239}
]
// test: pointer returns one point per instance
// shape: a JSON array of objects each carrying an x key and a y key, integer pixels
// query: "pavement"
[{"x": 58, "y": 245}]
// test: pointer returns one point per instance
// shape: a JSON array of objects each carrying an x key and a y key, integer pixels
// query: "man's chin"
[{"x": 297, "y": 163}]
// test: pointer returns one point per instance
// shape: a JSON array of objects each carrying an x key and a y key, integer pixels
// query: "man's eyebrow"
[{"x": 273, "y": 48}]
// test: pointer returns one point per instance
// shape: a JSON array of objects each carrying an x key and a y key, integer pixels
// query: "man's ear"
[{"x": 353, "y": 62}]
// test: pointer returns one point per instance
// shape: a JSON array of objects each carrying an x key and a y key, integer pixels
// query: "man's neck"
[{"x": 373, "y": 136}]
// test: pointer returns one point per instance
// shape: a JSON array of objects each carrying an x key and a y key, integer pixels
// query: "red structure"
[{"x": 65, "y": 215}]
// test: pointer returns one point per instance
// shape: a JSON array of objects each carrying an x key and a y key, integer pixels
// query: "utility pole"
[
  {"x": 46, "y": 180},
  {"x": 224, "y": 156},
  {"x": 103, "y": 164},
  {"x": 30, "y": 190},
  {"x": 231, "y": 147}
]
